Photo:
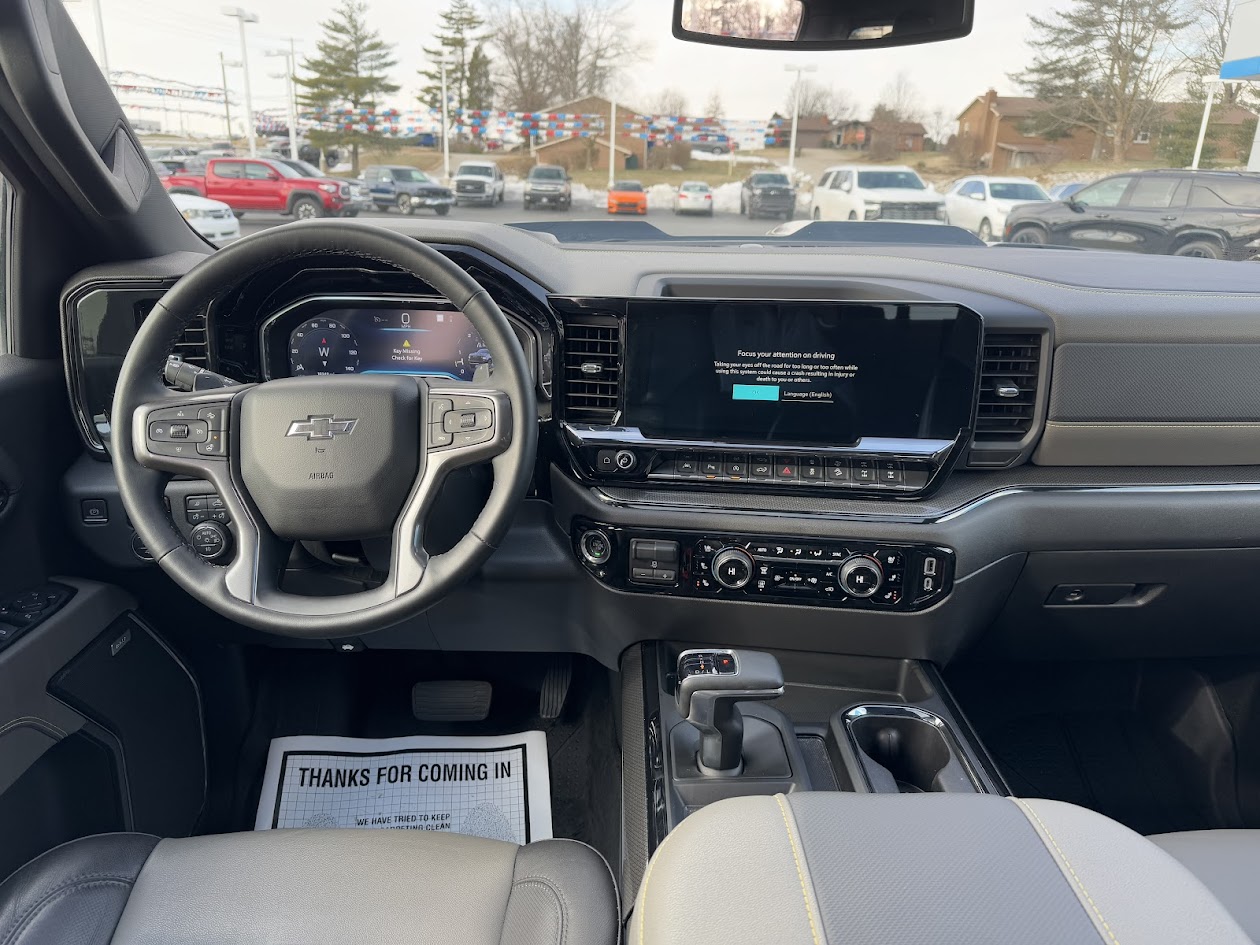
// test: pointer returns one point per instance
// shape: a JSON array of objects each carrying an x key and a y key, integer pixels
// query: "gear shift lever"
[{"x": 710, "y": 683}]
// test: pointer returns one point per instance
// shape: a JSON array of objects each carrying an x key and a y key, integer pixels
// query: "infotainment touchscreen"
[{"x": 810, "y": 372}]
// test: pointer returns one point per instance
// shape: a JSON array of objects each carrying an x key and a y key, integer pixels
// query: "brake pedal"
[
  {"x": 451, "y": 700},
  {"x": 555, "y": 688}
]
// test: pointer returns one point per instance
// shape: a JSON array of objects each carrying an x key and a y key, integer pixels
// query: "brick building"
[
  {"x": 997, "y": 132},
  {"x": 890, "y": 135}
]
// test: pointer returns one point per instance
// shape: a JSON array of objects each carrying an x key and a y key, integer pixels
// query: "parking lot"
[{"x": 721, "y": 224}]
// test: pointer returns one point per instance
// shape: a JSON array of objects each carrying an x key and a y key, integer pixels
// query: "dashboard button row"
[{"x": 816, "y": 470}]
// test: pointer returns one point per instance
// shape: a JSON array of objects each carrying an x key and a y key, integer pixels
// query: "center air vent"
[
  {"x": 1008, "y": 386},
  {"x": 592, "y": 369}
]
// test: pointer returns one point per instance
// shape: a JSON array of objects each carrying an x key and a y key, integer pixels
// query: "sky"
[{"x": 181, "y": 40}]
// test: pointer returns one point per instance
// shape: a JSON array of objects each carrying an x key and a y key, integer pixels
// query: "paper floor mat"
[{"x": 489, "y": 786}]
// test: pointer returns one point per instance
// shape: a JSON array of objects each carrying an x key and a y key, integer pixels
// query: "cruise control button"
[
  {"x": 214, "y": 445},
  {"x": 214, "y": 417}
]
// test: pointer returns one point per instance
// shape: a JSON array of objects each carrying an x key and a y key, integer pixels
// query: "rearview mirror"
[{"x": 821, "y": 24}]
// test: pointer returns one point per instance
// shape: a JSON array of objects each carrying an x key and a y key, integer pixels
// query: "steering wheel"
[{"x": 322, "y": 458}]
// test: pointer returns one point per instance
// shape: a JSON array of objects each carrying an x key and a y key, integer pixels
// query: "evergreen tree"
[
  {"x": 350, "y": 69},
  {"x": 458, "y": 42},
  {"x": 480, "y": 82}
]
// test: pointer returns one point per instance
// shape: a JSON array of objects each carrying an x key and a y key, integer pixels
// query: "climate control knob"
[
  {"x": 861, "y": 576},
  {"x": 732, "y": 568}
]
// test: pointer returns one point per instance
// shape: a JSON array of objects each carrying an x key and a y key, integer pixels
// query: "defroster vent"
[
  {"x": 1008, "y": 386},
  {"x": 592, "y": 369}
]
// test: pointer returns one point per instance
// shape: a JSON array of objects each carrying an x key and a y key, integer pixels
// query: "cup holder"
[{"x": 908, "y": 751}]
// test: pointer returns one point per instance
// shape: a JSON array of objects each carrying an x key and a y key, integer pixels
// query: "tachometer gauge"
[{"x": 322, "y": 346}]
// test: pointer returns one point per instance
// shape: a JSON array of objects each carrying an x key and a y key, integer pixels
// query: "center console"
[{"x": 862, "y": 398}]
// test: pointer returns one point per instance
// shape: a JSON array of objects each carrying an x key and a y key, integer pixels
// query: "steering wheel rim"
[{"x": 247, "y": 590}]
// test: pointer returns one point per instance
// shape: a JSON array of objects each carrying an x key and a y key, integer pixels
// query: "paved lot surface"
[{"x": 721, "y": 224}]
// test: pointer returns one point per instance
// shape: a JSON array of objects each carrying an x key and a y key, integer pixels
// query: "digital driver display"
[
  {"x": 430, "y": 342},
  {"x": 810, "y": 373}
]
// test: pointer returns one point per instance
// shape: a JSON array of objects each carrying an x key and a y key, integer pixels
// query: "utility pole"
[
  {"x": 289, "y": 99},
  {"x": 796, "y": 110},
  {"x": 227, "y": 106},
  {"x": 612, "y": 140},
  {"x": 446, "y": 125},
  {"x": 243, "y": 16}
]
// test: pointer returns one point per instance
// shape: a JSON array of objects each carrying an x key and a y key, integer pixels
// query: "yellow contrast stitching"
[
  {"x": 800, "y": 874},
  {"x": 1080, "y": 885}
]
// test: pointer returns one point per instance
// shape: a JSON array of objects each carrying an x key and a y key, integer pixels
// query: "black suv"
[
  {"x": 1213, "y": 214},
  {"x": 767, "y": 193}
]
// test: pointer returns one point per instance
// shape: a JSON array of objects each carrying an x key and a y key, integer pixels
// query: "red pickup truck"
[{"x": 259, "y": 184}]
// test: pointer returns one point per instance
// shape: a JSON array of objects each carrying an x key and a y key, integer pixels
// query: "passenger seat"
[
  {"x": 947, "y": 869},
  {"x": 1228, "y": 863}
]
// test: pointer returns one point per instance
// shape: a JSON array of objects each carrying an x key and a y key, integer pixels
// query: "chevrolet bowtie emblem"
[{"x": 321, "y": 428}]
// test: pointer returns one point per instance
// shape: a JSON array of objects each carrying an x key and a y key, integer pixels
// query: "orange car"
[{"x": 627, "y": 196}]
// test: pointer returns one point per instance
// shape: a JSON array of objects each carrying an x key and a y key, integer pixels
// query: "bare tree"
[
  {"x": 551, "y": 51},
  {"x": 901, "y": 99},
  {"x": 1102, "y": 65},
  {"x": 1205, "y": 41},
  {"x": 818, "y": 99},
  {"x": 671, "y": 102},
  {"x": 941, "y": 126},
  {"x": 713, "y": 107}
]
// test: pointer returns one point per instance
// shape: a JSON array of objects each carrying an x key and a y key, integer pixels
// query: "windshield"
[
  {"x": 628, "y": 186},
  {"x": 1007, "y": 191},
  {"x": 303, "y": 168},
  {"x": 410, "y": 175},
  {"x": 560, "y": 101},
  {"x": 890, "y": 180}
]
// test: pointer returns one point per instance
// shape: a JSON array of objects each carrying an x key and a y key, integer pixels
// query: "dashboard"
[{"x": 967, "y": 434}]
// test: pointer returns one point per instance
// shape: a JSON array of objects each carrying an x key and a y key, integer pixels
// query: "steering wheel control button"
[
  {"x": 732, "y": 568},
  {"x": 215, "y": 444},
  {"x": 439, "y": 437},
  {"x": 215, "y": 417},
  {"x": 94, "y": 511},
  {"x": 212, "y": 541},
  {"x": 861, "y": 576}
]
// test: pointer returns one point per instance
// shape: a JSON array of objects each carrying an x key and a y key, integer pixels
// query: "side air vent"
[
  {"x": 191, "y": 345},
  {"x": 592, "y": 369},
  {"x": 1008, "y": 386}
]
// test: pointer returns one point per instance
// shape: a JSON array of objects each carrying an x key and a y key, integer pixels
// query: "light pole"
[
  {"x": 227, "y": 106},
  {"x": 100, "y": 37},
  {"x": 243, "y": 16},
  {"x": 796, "y": 109},
  {"x": 442, "y": 65},
  {"x": 287, "y": 55}
]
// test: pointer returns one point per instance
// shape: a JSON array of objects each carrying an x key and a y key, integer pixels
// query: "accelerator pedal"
[
  {"x": 555, "y": 687},
  {"x": 451, "y": 700}
]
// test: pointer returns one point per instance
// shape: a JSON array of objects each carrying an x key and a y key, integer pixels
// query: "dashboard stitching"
[{"x": 1153, "y": 424}]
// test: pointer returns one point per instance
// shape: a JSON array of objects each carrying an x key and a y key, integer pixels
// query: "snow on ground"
[{"x": 725, "y": 158}]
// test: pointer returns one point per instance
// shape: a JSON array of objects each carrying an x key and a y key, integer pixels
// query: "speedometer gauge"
[{"x": 323, "y": 346}]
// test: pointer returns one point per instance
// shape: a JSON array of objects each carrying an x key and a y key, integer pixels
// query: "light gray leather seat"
[
  {"x": 1228, "y": 863},
  {"x": 311, "y": 887},
  {"x": 945, "y": 869}
]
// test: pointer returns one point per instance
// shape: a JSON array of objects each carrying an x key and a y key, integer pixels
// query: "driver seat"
[{"x": 313, "y": 887}]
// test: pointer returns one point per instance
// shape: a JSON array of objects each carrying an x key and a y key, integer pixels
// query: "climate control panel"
[{"x": 861, "y": 573}]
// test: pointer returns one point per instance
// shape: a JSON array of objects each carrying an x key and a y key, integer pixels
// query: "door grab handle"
[{"x": 1168, "y": 219}]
